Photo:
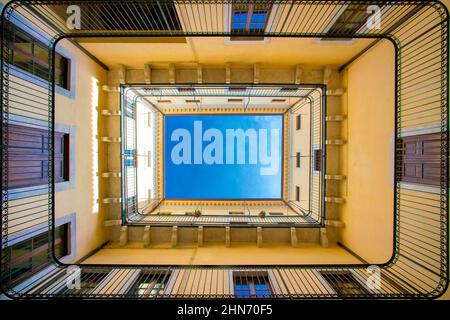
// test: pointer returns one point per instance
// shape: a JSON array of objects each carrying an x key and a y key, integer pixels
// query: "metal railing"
[
  {"x": 419, "y": 31},
  {"x": 296, "y": 212}
]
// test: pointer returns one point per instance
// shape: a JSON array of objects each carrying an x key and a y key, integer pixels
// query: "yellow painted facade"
[{"x": 81, "y": 114}]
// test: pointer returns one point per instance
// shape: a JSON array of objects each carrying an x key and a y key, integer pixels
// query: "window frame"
[
  {"x": 65, "y": 241},
  {"x": 65, "y": 82},
  {"x": 346, "y": 275},
  {"x": 298, "y": 122},
  {"x": 160, "y": 279},
  {"x": 298, "y": 158}
]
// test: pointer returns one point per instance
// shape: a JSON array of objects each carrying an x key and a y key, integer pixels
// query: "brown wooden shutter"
[
  {"x": 28, "y": 156},
  {"x": 420, "y": 159}
]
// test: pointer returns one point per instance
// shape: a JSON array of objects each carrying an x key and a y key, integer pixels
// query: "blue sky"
[{"x": 220, "y": 181}]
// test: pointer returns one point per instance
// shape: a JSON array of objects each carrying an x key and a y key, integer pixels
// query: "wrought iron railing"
[
  {"x": 419, "y": 31},
  {"x": 308, "y": 212}
]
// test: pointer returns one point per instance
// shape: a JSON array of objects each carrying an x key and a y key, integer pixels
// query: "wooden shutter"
[
  {"x": 28, "y": 156},
  {"x": 420, "y": 159}
]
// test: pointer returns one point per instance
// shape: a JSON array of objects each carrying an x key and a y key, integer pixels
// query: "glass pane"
[
  {"x": 239, "y": 20},
  {"x": 41, "y": 54},
  {"x": 61, "y": 71},
  {"x": 242, "y": 290},
  {"x": 262, "y": 290},
  {"x": 61, "y": 235},
  {"x": 259, "y": 17}
]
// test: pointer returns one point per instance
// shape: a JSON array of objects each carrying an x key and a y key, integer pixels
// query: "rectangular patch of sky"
[{"x": 223, "y": 156}]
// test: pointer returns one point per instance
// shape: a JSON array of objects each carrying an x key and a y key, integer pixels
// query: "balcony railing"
[{"x": 419, "y": 266}]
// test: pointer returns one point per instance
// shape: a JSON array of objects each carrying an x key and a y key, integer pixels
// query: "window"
[
  {"x": 420, "y": 157},
  {"x": 350, "y": 21},
  {"x": 318, "y": 160},
  {"x": 130, "y": 158},
  {"x": 297, "y": 160},
  {"x": 297, "y": 193},
  {"x": 150, "y": 284},
  {"x": 88, "y": 282},
  {"x": 29, "y": 156},
  {"x": 288, "y": 89},
  {"x": 237, "y": 89},
  {"x": 344, "y": 283},
  {"x": 276, "y": 213},
  {"x": 186, "y": 89},
  {"x": 32, "y": 56},
  {"x": 248, "y": 18},
  {"x": 253, "y": 286},
  {"x": 132, "y": 204},
  {"x": 32, "y": 255},
  {"x": 298, "y": 122}
]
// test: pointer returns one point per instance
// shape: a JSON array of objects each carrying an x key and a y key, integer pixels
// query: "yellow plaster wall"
[
  {"x": 79, "y": 113},
  {"x": 368, "y": 156},
  {"x": 212, "y": 51}
]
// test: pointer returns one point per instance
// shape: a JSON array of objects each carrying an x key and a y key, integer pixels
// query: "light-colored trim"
[
  {"x": 284, "y": 164},
  {"x": 229, "y": 110}
]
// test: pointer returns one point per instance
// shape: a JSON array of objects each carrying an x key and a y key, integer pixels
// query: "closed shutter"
[
  {"x": 28, "y": 157},
  {"x": 420, "y": 159}
]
